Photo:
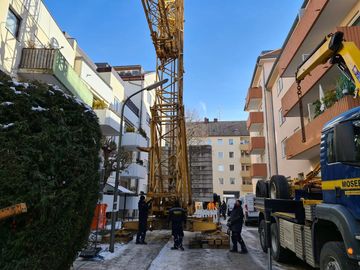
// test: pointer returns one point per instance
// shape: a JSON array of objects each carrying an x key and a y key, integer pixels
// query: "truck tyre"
[
  {"x": 262, "y": 189},
  {"x": 333, "y": 256},
  {"x": 279, "y": 253},
  {"x": 279, "y": 187},
  {"x": 262, "y": 236}
]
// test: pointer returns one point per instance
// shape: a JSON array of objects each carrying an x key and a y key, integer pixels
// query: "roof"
[
  {"x": 122, "y": 189},
  {"x": 220, "y": 128}
]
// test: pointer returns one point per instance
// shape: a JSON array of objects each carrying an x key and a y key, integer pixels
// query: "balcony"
[
  {"x": 323, "y": 74},
  {"x": 245, "y": 147},
  {"x": 50, "y": 66},
  {"x": 253, "y": 99},
  {"x": 247, "y": 188},
  {"x": 296, "y": 149},
  {"x": 257, "y": 146},
  {"x": 258, "y": 170},
  {"x": 245, "y": 173},
  {"x": 134, "y": 171},
  {"x": 131, "y": 141},
  {"x": 109, "y": 122},
  {"x": 318, "y": 19},
  {"x": 255, "y": 122},
  {"x": 245, "y": 160}
]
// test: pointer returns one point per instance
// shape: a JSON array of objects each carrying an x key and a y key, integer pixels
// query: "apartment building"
[
  {"x": 229, "y": 141},
  {"x": 260, "y": 121},
  {"x": 326, "y": 93},
  {"x": 33, "y": 47},
  {"x": 273, "y": 104}
]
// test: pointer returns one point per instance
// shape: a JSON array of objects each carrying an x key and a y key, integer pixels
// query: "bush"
[{"x": 49, "y": 159}]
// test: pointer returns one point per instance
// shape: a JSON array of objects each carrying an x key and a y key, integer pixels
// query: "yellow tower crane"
[{"x": 169, "y": 174}]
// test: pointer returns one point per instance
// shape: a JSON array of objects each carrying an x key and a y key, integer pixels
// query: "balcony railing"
[
  {"x": 255, "y": 121},
  {"x": 258, "y": 170},
  {"x": 296, "y": 149},
  {"x": 253, "y": 98},
  {"x": 47, "y": 64},
  {"x": 257, "y": 145}
]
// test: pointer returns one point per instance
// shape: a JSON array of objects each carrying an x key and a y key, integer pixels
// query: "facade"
[
  {"x": 33, "y": 47},
  {"x": 273, "y": 104},
  {"x": 229, "y": 141},
  {"x": 201, "y": 172},
  {"x": 260, "y": 121}
]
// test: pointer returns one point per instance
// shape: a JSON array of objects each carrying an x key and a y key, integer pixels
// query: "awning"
[{"x": 122, "y": 190}]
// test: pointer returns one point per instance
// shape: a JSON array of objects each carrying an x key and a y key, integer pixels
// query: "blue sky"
[{"x": 222, "y": 41}]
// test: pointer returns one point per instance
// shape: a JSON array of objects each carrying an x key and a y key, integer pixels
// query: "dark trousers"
[
  {"x": 237, "y": 238},
  {"x": 178, "y": 237},
  {"x": 140, "y": 237}
]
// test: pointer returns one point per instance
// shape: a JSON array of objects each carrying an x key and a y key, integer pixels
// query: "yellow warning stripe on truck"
[{"x": 345, "y": 184}]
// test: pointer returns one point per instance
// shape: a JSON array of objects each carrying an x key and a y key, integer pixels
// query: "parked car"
[{"x": 250, "y": 213}]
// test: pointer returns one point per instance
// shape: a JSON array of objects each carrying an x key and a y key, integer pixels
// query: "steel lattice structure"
[{"x": 169, "y": 174}]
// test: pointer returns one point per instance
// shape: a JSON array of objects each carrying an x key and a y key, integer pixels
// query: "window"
[
  {"x": 330, "y": 152},
  {"x": 232, "y": 167},
  {"x": 221, "y": 181},
  {"x": 279, "y": 85},
  {"x": 232, "y": 181},
  {"x": 244, "y": 142},
  {"x": 231, "y": 141},
  {"x": 246, "y": 181},
  {"x": 356, "y": 22},
  {"x": 220, "y": 141},
  {"x": 231, "y": 154},
  {"x": 281, "y": 117},
  {"x": 209, "y": 141},
  {"x": 245, "y": 168},
  {"x": 117, "y": 105},
  {"x": 221, "y": 168},
  {"x": 283, "y": 148},
  {"x": 244, "y": 153},
  {"x": 220, "y": 154},
  {"x": 148, "y": 118},
  {"x": 13, "y": 22}
]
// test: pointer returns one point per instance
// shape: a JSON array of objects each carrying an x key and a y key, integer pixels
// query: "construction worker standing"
[
  {"x": 235, "y": 223},
  {"x": 143, "y": 216},
  {"x": 177, "y": 216}
]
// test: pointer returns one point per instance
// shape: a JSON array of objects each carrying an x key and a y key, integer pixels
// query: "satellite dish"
[{"x": 54, "y": 43}]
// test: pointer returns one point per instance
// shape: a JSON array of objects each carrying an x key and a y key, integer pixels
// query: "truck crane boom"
[{"x": 334, "y": 48}]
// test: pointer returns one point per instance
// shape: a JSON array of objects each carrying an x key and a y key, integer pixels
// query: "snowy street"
[{"x": 158, "y": 256}]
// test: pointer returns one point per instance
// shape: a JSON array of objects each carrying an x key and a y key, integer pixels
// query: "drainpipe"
[{"x": 267, "y": 127}]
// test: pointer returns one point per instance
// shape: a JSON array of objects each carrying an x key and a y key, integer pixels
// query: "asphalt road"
[{"x": 158, "y": 256}]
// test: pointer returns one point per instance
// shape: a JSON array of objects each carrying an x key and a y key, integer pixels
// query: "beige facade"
[
  {"x": 260, "y": 122},
  {"x": 231, "y": 162}
]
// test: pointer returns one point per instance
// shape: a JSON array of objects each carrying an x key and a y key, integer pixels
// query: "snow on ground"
[
  {"x": 6, "y": 125},
  {"x": 39, "y": 109},
  {"x": 107, "y": 255},
  {"x": 7, "y": 103}
]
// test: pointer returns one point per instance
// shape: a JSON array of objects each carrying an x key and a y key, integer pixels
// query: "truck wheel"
[
  {"x": 262, "y": 189},
  {"x": 279, "y": 253},
  {"x": 333, "y": 256},
  {"x": 279, "y": 187},
  {"x": 262, "y": 235}
]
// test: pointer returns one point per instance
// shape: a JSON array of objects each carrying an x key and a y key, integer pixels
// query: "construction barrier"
[
  {"x": 201, "y": 213},
  {"x": 99, "y": 219}
]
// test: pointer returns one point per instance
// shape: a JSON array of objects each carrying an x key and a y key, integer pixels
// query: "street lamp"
[{"x": 117, "y": 175}]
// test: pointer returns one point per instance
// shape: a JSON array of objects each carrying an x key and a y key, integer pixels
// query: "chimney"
[
  {"x": 215, "y": 120},
  {"x": 206, "y": 120}
]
